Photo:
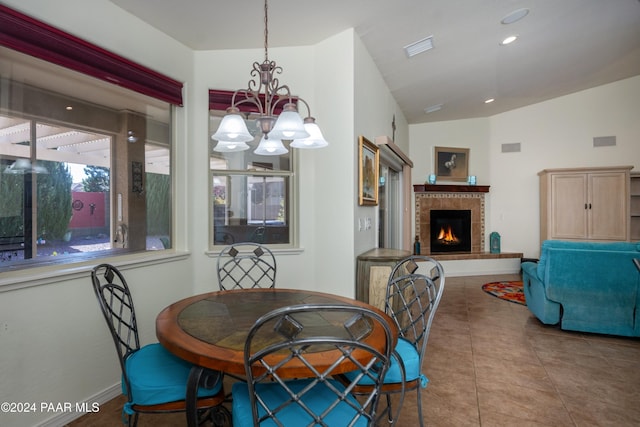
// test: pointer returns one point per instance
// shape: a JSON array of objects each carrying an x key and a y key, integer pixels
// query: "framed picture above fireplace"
[
  {"x": 451, "y": 164},
  {"x": 369, "y": 160}
]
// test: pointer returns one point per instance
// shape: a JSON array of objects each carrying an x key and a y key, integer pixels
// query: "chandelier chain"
[{"x": 266, "y": 31}]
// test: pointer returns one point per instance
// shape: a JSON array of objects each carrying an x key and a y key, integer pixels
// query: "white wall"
[
  {"x": 552, "y": 134},
  {"x": 374, "y": 113},
  {"x": 327, "y": 188}
]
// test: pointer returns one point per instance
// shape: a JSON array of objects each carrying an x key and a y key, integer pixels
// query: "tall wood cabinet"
[
  {"x": 585, "y": 204},
  {"x": 635, "y": 206}
]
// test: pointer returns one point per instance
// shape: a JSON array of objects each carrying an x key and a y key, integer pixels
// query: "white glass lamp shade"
[
  {"x": 232, "y": 129},
  {"x": 289, "y": 125},
  {"x": 229, "y": 147},
  {"x": 315, "y": 139},
  {"x": 270, "y": 147}
]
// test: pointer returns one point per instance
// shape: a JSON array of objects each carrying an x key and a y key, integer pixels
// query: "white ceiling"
[{"x": 564, "y": 46}]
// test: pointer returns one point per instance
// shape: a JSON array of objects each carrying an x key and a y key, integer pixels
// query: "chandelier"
[{"x": 265, "y": 92}]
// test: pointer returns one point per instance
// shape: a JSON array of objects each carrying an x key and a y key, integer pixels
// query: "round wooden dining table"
[{"x": 209, "y": 330}]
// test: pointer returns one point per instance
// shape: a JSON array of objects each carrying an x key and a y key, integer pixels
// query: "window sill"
[
  {"x": 21, "y": 277},
  {"x": 276, "y": 251}
]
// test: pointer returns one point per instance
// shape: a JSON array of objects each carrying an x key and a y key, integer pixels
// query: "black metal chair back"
[
  {"x": 169, "y": 388},
  {"x": 297, "y": 332},
  {"x": 116, "y": 304},
  {"x": 412, "y": 300},
  {"x": 246, "y": 265}
]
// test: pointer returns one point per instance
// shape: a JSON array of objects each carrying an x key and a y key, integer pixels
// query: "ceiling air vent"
[{"x": 418, "y": 47}]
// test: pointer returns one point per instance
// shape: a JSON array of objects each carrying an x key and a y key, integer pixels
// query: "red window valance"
[{"x": 32, "y": 37}]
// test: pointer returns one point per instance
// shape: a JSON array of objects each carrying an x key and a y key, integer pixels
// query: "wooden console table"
[{"x": 372, "y": 272}]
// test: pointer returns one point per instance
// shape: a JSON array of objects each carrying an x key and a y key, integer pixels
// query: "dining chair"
[
  {"x": 246, "y": 265},
  {"x": 153, "y": 379},
  {"x": 290, "y": 337},
  {"x": 411, "y": 300}
]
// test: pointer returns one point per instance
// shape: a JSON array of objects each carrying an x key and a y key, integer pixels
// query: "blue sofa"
[{"x": 585, "y": 286}]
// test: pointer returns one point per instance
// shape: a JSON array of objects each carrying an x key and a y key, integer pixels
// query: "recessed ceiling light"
[
  {"x": 69, "y": 108},
  {"x": 489, "y": 101},
  {"x": 508, "y": 40},
  {"x": 433, "y": 108},
  {"x": 418, "y": 47},
  {"x": 515, "y": 16}
]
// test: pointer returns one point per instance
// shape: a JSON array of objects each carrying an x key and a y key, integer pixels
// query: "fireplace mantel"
[{"x": 450, "y": 188}]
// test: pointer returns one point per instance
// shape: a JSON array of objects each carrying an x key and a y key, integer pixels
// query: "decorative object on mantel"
[
  {"x": 266, "y": 95},
  {"x": 431, "y": 179},
  {"x": 494, "y": 243},
  {"x": 451, "y": 164},
  {"x": 369, "y": 164},
  {"x": 472, "y": 180}
]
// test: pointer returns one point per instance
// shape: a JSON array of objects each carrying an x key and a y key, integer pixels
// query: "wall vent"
[
  {"x": 511, "y": 148},
  {"x": 604, "y": 141}
]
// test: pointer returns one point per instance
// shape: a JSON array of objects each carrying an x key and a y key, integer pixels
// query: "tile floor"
[{"x": 491, "y": 363}]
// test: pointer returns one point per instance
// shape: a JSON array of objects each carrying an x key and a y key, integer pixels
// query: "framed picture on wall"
[
  {"x": 369, "y": 160},
  {"x": 451, "y": 164}
]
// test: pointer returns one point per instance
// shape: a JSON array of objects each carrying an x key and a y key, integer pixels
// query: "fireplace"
[
  {"x": 442, "y": 197},
  {"x": 454, "y": 197},
  {"x": 450, "y": 230}
]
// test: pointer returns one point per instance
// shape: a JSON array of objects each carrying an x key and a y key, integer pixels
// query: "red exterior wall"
[{"x": 88, "y": 210}]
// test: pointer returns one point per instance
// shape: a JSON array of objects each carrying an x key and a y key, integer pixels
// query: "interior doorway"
[{"x": 389, "y": 207}]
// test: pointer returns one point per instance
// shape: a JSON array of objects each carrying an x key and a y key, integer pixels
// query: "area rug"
[{"x": 509, "y": 291}]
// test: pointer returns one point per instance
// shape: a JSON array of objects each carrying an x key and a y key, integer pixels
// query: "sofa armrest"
[
  {"x": 530, "y": 269},
  {"x": 535, "y": 294}
]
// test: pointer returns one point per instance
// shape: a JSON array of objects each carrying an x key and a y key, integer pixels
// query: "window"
[
  {"x": 251, "y": 195},
  {"x": 84, "y": 166}
]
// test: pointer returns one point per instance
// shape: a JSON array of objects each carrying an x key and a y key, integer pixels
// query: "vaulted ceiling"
[{"x": 562, "y": 47}]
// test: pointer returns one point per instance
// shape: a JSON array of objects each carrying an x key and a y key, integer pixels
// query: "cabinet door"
[
  {"x": 608, "y": 206},
  {"x": 568, "y": 210}
]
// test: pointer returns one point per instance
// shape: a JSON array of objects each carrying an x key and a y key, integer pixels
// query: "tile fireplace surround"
[{"x": 452, "y": 197}]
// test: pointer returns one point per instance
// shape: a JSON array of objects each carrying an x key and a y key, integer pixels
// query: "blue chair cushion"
[
  {"x": 411, "y": 360},
  {"x": 293, "y": 415},
  {"x": 157, "y": 376}
]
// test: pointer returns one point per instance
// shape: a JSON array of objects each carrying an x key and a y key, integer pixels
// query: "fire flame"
[{"x": 446, "y": 235}]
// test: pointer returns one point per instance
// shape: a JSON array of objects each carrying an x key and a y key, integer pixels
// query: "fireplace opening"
[{"x": 450, "y": 231}]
